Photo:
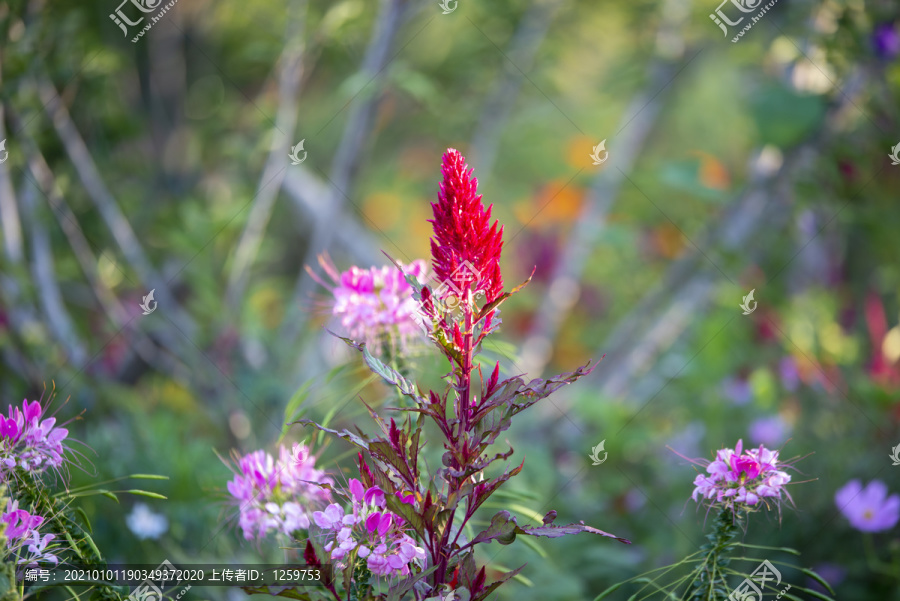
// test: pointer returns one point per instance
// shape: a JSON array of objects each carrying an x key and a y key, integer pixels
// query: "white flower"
[{"x": 146, "y": 524}]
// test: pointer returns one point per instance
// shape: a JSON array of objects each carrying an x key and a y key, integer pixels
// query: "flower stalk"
[
  {"x": 709, "y": 583},
  {"x": 458, "y": 307}
]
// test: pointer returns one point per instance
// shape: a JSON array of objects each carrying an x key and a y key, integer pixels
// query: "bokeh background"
[{"x": 162, "y": 164}]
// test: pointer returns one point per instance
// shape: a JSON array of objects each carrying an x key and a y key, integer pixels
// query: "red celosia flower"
[{"x": 465, "y": 247}]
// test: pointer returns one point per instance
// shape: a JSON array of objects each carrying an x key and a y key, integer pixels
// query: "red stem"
[
  {"x": 466, "y": 378},
  {"x": 465, "y": 387}
]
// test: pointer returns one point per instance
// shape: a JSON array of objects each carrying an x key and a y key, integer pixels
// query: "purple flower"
[
  {"x": 376, "y": 304},
  {"x": 331, "y": 518},
  {"x": 277, "y": 495},
  {"x": 21, "y": 532},
  {"x": 19, "y": 523},
  {"x": 770, "y": 431},
  {"x": 374, "y": 534},
  {"x": 38, "y": 549},
  {"x": 740, "y": 480},
  {"x": 745, "y": 467},
  {"x": 375, "y": 496},
  {"x": 29, "y": 443},
  {"x": 868, "y": 509},
  {"x": 886, "y": 40}
]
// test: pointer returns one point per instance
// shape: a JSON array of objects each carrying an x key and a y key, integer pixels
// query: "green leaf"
[
  {"x": 84, "y": 517},
  {"x": 407, "y": 512},
  {"x": 609, "y": 591},
  {"x": 350, "y": 437},
  {"x": 90, "y": 542},
  {"x": 531, "y": 514},
  {"x": 817, "y": 578},
  {"x": 109, "y": 494},
  {"x": 765, "y": 548},
  {"x": 815, "y": 594},
  {"x": 509, "y": 391},
  {"x": 146, "y": 493},
  {"x": 382, "y": 450},
  {"x": 494, "y": 484},
  {"x": 72, "y": 544},
  {"x": 504, "y": 529},
  {"x": 387, "y": 373}
]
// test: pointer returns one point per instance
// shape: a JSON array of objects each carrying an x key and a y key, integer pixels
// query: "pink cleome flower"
[
  {"x": 276, "y": 494},
  {"x": 376, "y": 304},
  {"x": 29, "y": 443},
  {"x": 868, "y": 509},
  {"x": 21, "y": 531},
  {"x": 741, "y": 480},
  {"x": 372, "y": 532}
]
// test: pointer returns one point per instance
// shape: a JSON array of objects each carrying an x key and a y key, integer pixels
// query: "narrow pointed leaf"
[
  {"x": 496, "y": 584},
  {"x": 350, "y": 437},
  {"x": 146, "y": 493},
  {"x": 504, "y": 529}
]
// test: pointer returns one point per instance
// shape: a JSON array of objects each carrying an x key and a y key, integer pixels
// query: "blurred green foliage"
[{"x": 180, "y": 124}]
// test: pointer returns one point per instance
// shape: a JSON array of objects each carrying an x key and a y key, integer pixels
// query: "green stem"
[{"x": 709, "y": 578}]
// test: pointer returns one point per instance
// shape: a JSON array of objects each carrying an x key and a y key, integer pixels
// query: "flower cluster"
[
  {"x": 28, "y": 442},
  {"x": 20, "y": 528},
  {"x": 277, "y": 494},
  {"x": 376, "y": 304},
  {"x": 741, "y": 480},
  {"x": 466, "y": 247},
  {"x": 404, "y": 518},
  {"x": 868, "y": 509},
  {"x": 372, "y": 532},
  {"x": 465, "y": 252}
]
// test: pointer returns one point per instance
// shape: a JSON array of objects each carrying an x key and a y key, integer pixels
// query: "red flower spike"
[{"x": 465, "y": 248}]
